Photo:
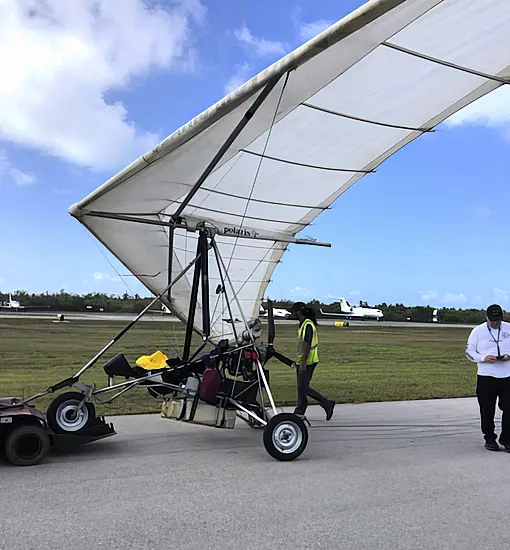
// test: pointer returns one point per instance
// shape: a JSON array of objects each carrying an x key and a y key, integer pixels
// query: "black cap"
[
  {"x": 494, "y": 313},
  {"x": 298, "y": 306}
]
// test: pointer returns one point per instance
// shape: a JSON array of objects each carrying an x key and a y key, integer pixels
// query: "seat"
[{"x": 119, "y": 366}]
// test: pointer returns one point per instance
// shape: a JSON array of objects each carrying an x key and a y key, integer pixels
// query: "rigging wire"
[
  {"x": 131, "y": 293},
  {"x": 260, "y": 164}
]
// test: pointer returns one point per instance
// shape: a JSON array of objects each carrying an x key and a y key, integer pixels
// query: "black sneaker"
[
  {"x": 329, "y": 410},
  {"x": 505, "y": 445},
  {"x": 491, "y": 446}
]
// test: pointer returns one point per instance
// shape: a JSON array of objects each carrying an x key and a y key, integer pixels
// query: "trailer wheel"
[
  {"x": 27, "y": 445},
  {"x": 285, "y": 436},
  {"x": 65, "y": 417}
]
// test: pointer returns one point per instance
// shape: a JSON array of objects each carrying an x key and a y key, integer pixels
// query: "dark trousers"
[
  {"x": 305, "y": 390},
  {"x": 488, "y": 390}
]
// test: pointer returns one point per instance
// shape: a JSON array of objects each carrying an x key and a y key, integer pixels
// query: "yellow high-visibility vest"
[{"x": 313, "y": 356}]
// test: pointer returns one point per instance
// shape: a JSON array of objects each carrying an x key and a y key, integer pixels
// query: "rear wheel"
[
  {"x": 27, "y": 445},
  {"x": 66, "y": 416},
  {"x": 285, "y": 436}
]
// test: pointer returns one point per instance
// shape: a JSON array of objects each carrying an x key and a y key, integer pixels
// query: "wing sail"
[{"x": 342, "y": 104}]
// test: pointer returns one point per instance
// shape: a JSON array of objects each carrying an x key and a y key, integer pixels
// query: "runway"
[
  {"x": 378, "y": 476},
  {"x": 158, "y": 317}
]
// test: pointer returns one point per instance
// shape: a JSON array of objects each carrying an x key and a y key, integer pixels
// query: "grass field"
[{"x": 358, "y": 364}]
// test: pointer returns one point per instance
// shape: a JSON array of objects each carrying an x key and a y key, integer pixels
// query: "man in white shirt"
[{"x": 489, "y": 346}]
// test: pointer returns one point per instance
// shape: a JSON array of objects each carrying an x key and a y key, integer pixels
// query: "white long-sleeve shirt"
[{"x": 484, "y": 341}]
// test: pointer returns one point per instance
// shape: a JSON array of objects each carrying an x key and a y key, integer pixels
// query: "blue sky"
[{"x": 427, "y": 228}]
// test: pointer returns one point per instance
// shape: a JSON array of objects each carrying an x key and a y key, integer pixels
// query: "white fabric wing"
[{"x": 345, "y": 102}]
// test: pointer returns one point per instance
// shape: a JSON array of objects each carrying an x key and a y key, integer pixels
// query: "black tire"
[
  {"x": 27, "y": 445},
  {"x": 61, "y": 414},
  {"x": 281, "y": 426}
]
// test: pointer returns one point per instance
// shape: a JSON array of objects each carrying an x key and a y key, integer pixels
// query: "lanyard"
[{"x": 492, "y": 336}]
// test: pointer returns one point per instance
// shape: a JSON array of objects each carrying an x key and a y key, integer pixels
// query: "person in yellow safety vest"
[{"x": 307, "y": 360}]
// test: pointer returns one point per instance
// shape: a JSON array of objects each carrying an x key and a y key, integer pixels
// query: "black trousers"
[
  {"x": 489, "y": 390},
  {"x": 305, "y": 390}
]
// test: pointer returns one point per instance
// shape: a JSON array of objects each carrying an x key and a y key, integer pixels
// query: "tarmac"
[
  {"x": 379, "y": 475},
  {"x": 98, "y": 316}
]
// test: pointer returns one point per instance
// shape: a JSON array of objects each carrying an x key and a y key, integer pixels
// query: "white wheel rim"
[
  {"x": 70, "y": 418},
  {"x": 287, "y": 437}
]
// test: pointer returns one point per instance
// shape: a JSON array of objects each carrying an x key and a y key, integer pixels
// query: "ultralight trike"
[{"x": 212, "y": 389}]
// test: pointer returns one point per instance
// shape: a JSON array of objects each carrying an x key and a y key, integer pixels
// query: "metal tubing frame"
[
  {"x": 140, "y": 381},
  {"x": 137, "y": 318},
  {"x": 192, "y": 306},
  {"x": 248, "y": 115},
  {"x": 69, "y": 382},
  {"x": 171, "y": 231},
  {"x": 204, "y": 282},
  {"x": 224, "y": 290},
  {"x": 220, "y": 271},
  {"x": 259, "y": 366},
  {"x": 247, "y": 411},
  {"x": 274, "y": 236},
  {"x": 132, "y": 384}
]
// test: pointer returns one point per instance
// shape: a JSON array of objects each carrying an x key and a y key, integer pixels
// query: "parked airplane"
[
  {"x": 363, "y": 312},
  {"x": 163, "y": 311},
  {"x": 277, "y": 313},
  {"x": 14, "y": 305}
]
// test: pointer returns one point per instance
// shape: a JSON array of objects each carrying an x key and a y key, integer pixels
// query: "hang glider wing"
[{"x": 336, "y": 108}]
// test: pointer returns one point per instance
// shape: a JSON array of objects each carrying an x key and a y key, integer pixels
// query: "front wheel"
[
  {"x": 65, "y": 416},
  {"x": 285, "y": 436},
  {"x": 27, "y": 445}
]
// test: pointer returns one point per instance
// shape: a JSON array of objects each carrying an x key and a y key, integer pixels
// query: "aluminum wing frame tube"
[
  {"x": 171, "y": 231},
  {"x": 204, "y": 281},
  {"x": 248, "y": 115},
  {"x": 259, "y": 366},
  {"x": 192, "y": 306},
  {"x": 223, "y": 288},
  {"x": 138, "y": 317},
  {"x": 224, "y": 230}
]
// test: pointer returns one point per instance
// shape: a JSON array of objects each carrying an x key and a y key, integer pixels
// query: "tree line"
[
  {"x": 94, "y": 301},
  {"x": 110, "y": 303}
]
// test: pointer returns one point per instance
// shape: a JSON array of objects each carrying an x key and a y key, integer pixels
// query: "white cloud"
[
  {"x": 22, "y": 178},
  {"x": 452, "y": 298},
  {"x": 260, "y": 46},
  {"x": 4, "y": 161},
  {"x": 491, "y": 110},
  {"x": 501, "y": 295},
  {"x": 429, "y": 295},
  {"x": 257, "y": 48},
  {"x": 97, "y": 276},
  {"x": 308, "y": 30},
  {"x": 241, "y": 76},
  {"x": 299, "y": 291},
  {"x": 59, "y": 58},
  {"x": 15, "y": 174}
]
